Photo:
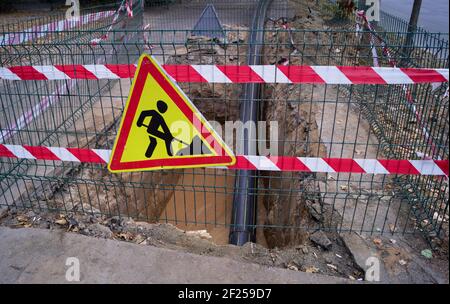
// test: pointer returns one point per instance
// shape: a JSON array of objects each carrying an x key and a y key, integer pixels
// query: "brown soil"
[
  {"x": 188, "y": 210},
  {"x": 299, "y": 136}
]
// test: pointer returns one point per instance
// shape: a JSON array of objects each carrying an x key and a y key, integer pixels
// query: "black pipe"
[{"x": 243, "y": 219}]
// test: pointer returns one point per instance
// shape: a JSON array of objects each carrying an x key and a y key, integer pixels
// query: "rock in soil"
[
  {"x": 319, "y": 238},
  {"x": 99, "y": 230}
]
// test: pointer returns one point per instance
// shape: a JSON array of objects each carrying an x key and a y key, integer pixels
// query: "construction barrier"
[
  {"x": 351, "y": 148},
  {"x": 40, "y": 31},
  {"x": 236, "y": 74},
  {"x": 251, "y": 162}
]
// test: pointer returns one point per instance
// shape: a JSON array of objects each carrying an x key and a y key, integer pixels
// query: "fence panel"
[{"x": 328, "y": 121}]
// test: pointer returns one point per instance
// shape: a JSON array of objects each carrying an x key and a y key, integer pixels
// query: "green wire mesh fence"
[{"x": 343, "y": 121}]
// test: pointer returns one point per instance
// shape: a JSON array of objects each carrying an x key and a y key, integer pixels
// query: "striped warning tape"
[
  {"x": 47, "y": 101},
  {"x": 39, "y": 108},
  {"x": 245, "y": 162},
  {"x": 361, "y": 16},
  {"x": 124, "y": 6},
  {"x": 236, "y": 74},
  {"x": 39, "y": 31}
]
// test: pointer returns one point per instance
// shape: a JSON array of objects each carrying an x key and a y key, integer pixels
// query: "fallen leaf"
[
  {"x": 61, "y": 222},
  {"x": 22, "y": 218},
  {"x": 273, "y": 257},
  {"x": 139, "y": 239},
  {"x": 392, "y": 228},
  {"x": 312, "y": 269},
  {"x": 125, "y": 236},
  {"x": 378, "y": 242}
]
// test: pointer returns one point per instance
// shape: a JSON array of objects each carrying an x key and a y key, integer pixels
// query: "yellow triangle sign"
[{"x": 162, "y": 129}]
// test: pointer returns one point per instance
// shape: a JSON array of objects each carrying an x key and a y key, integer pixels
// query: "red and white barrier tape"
[
  {"x": 147, "y": 45},
  {"x": 47, "y": 101},
  {"x": 129, "y": 7},
  {"x": 236, "y": 74},
  {"x": 39, "y": 31},
  {"x": 122, "y": 7},
  {"x": 39, "y": 108},
  {"x": 409, "y": 98},
  {"x": 245, "y": 162}
]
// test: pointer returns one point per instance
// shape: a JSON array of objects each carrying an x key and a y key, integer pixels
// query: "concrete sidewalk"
[{"x": 39, "y": 256}]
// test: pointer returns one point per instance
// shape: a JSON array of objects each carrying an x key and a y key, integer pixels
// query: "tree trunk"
[{"x": 412, "y": 27}]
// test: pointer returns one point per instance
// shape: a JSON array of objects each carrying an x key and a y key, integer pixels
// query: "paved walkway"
[{"x": 39, "y": 256}]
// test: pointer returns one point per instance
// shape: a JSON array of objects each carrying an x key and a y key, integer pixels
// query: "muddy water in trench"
[{"x": 204, "y": 201}]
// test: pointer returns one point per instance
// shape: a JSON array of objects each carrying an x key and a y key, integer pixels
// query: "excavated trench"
[
  {"x": 203, "y": 198},
  {"x": 196, "y": 199},
  {"x": 276, "y": 207}
]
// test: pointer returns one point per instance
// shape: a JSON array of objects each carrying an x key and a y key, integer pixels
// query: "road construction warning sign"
[{"x": 162, "y": 129}]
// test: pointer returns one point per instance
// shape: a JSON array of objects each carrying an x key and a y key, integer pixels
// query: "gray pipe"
[{"x": 245, "y": 190}]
